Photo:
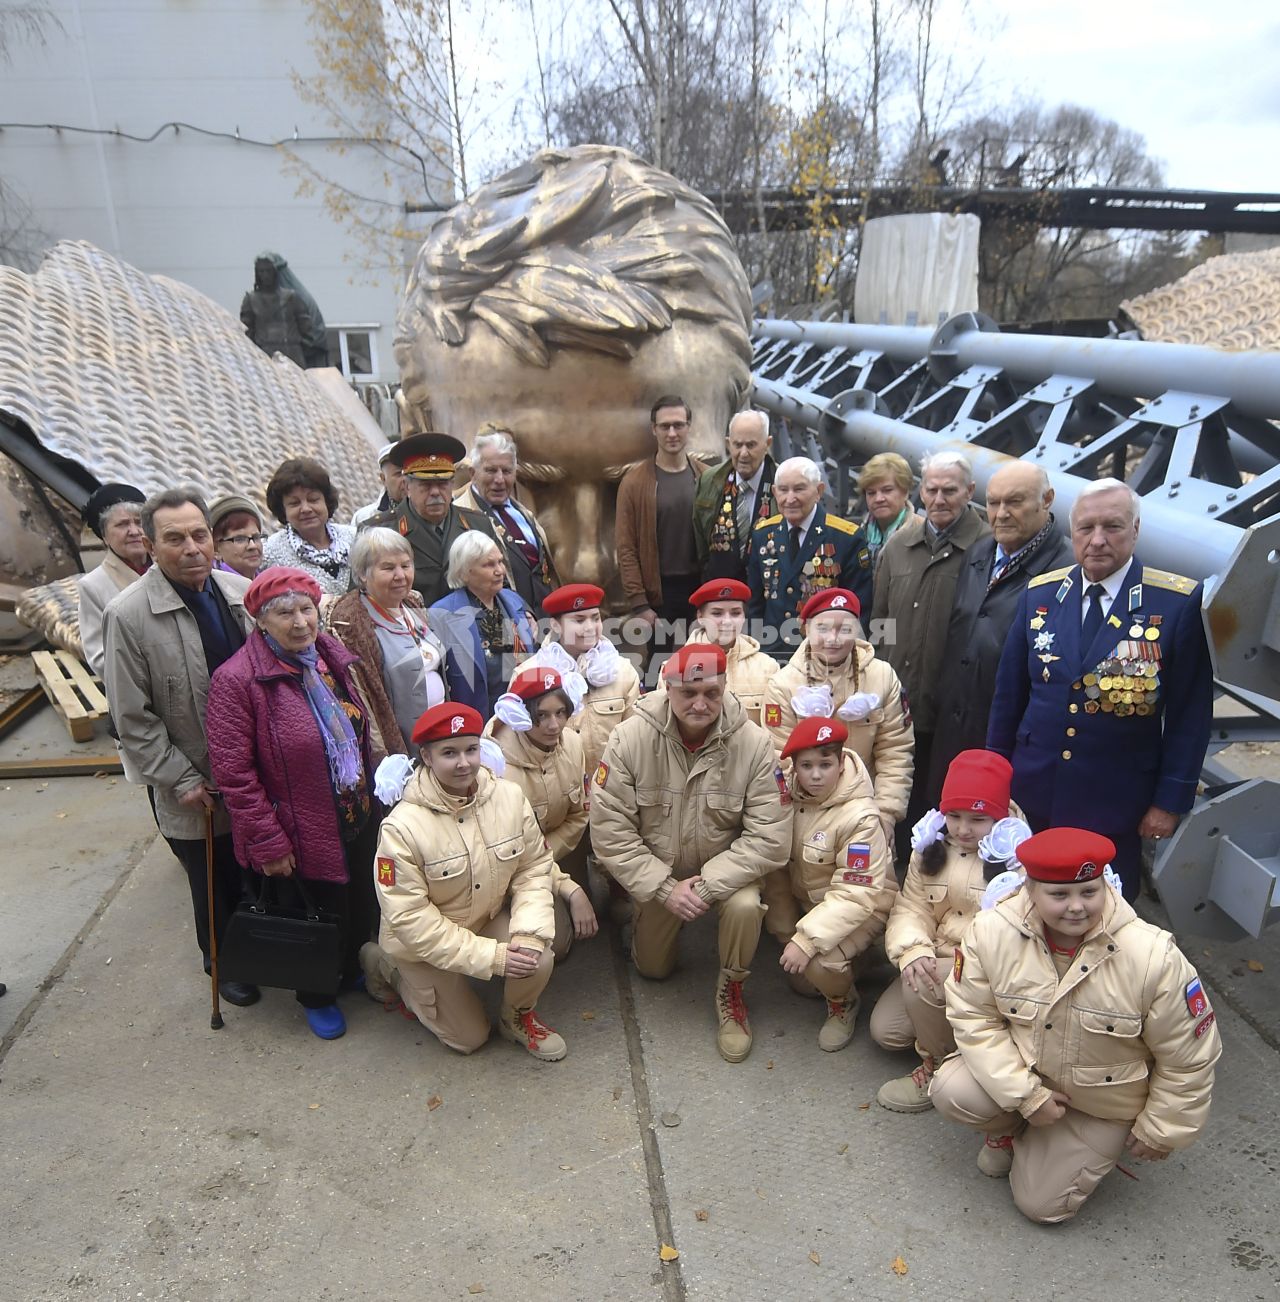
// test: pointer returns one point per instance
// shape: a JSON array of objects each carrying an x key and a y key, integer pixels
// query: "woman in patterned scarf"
[{"x": 302, "y": 497}]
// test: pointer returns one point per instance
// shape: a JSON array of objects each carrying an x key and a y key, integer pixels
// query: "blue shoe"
[{"x": 327, "y": 1022}]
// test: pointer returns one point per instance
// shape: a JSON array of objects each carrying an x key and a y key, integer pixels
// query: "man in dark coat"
[{"x": 1024, "y": 542}]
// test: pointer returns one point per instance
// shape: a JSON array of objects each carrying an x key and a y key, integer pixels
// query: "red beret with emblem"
[
  {"x": 1065, "y": 854},
  {"x": 832, "y": 599},
  {"x": 277, "y": 581},
  {"x": 529, "y": 684},
  {"x": 447, "y": 720},
  {"x": 977, "y": 782},
  {"x": 809, "y": 733},
  {"x": 573, "y": 597},
  {"x": 695, "y": 661},
  {"x": 720, "y": 590}
]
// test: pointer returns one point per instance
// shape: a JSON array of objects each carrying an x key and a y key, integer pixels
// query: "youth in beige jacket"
[
  {"x": 931, "y": 914},
  {"x": 456, "y": 863},
  {"x": 748, "y": 673},
  {"x": 553, "y": 784},
  {"x": 660, "y": 813},
  {"x": 603, "y": 709},
  {"x": 884, "y": 741},
  {"x": 840, "y": 866},
  {"x": 1127, "y": 1032}
]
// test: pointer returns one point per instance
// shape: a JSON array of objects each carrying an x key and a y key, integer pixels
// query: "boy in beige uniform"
[
  {"x": 689, "y": 810},
  {"x": 835, "y": 672},
  {"x": 463, "y": 876},
  {"x": 840, "y": 874},
  {"x": 1083, "y": 1032},
  {"x": 721, "y": 607}
]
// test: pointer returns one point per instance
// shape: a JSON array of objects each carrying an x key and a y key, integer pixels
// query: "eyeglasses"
[
  {"x": 244, "y": 539},
  {"x": 672, "y": 426}
]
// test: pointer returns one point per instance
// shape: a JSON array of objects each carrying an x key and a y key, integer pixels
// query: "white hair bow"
[
  {"x": 1001, "y": 885},
  {"x": 1001, "y": 843},
  {"x": 928, "y": 830},
  {"x": 491, "y": 756},
  {"x": 1112, "y": 879},
  {"x": 600, "y": 664},
  {"x": 391, "y": 777},
  {"x": 510, "y": 709},
  {"x": 813, "y": 702},
  {"x": 858, "y": 706},
  {"x": 551, "y": 656}
]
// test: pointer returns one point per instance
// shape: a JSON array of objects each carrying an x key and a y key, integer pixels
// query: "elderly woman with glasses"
[
  {"x": 401, "y": 661},
  {"x": 237, "y": 535},
  {"x": 302, "y": 497},
  {"x": 487, "y": 629},
  {"x": 289, "y": 749}
]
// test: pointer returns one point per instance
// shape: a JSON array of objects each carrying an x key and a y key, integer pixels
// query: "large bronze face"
[{"x": 560, "y": 301}]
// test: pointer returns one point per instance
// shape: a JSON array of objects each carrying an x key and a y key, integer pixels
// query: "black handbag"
[{"x": 272, "y": 944}]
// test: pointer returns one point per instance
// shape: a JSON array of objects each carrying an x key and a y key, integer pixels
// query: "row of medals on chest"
[{"x": 1128, "y": 681}]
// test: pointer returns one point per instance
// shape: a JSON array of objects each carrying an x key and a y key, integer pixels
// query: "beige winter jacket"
[
  {"x": 603, "y": 709},
  {"x": 660, "y": 813},
  {"x": 748, "y": 673},
  {"x": 553, "y": 784},
  {"x": 447, "y": 866},
  {"x": 840, "y": 862},
  {"x": 884, "y": 741},
  {"x": 1127, "y": 1033}
]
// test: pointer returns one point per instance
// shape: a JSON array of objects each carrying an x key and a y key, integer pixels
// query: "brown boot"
[
  {"x": 532, "y": 1034},
  {"x": 995, "y": 1157},
  {"x": 909, "y": 1093},
  {"x": 381, "y": 976},
  {"x": 733, "y": 1038},
  {"x": 837, "y": 1030}
]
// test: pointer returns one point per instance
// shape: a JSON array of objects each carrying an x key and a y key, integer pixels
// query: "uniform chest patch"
[
  {"x": 773, "y": 716},
  {"x": 602, "y": 773},
  {"x": 386, "y": 871},
  {"x": 1197, "y": 1001}
]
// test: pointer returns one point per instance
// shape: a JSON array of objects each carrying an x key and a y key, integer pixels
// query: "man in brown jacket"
[
  {"x": 915, "y": 587},
  {"x": 657, "y": 545},
  {"x": 689, "y": 809}
]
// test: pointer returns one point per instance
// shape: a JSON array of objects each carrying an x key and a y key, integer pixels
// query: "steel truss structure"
[{"x": 1189, "y": 428}]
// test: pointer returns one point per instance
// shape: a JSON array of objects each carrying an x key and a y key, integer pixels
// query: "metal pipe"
[
  {"x": 902, "y": 343},
  {"x": 1199, "y": 549},
  {"x": 1141, "y": 368}
]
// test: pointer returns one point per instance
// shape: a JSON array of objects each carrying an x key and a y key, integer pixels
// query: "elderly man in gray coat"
[{"x": 164, "y": 637}]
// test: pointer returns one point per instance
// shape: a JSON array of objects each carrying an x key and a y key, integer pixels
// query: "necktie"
[
  {"x": 1002, "y": 564},
  {"x": 793, "y": 543},
  {"x": 742, "y": 511},
  {"x": 1092, "y": 616},
  {"x": 516, "y": 536}
]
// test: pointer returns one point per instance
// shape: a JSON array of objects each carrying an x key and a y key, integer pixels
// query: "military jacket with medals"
[
  {"x": 834, "y": 554},
  {"x": 430, "y": 550},
  {"x": 1099, "y": 734},
  {"x": 722, "y": 551}
]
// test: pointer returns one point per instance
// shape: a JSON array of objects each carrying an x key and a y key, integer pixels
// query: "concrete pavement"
[{"x": 149, "y": 1157}]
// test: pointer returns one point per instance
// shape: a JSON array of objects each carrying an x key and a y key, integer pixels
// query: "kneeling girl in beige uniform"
[
  {"x": 544, "y": 759},
  {"x": 834, "y": 671},
  {"x": 840, "y": 874},
  {"x": 463, "y": 876},
  {"x": 1083, "y": 1032},
  {"x": 955, "y": 854}
]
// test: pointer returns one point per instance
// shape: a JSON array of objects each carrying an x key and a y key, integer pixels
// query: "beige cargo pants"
[
  {"x": 446, "y": 1002},
  {"x": 655, "y": 941},
  {"x": 904, "y": 1017},
  {"x": 1055, "y": 1168}
]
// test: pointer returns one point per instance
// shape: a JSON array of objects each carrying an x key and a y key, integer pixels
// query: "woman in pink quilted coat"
[{"x": 289, "y": 749}]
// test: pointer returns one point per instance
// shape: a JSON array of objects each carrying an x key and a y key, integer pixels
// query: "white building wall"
[{"x": 192, "y": 206}]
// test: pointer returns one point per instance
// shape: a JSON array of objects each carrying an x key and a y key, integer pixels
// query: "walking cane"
[{"x": 215, "y": 1022}]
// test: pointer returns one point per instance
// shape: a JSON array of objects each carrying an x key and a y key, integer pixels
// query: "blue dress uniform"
[
  {"x": 834, "y": 554},
  {"x": 1099, "y": 734}
]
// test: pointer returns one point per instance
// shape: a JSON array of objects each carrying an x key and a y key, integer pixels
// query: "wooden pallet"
[{"x": 72, "y": 690}]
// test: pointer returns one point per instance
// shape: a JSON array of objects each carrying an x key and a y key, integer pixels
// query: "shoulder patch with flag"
[
  {"x": 773, "y": 716},
  {"x": 784, "y": 791},
  {"x": 1197, "y": 1000},
  {"x": 602, "y": 773},
  {"x": 386, "y": 871},
  {"x": 958, "y": 966},
  {"x": 857, "y": 860}
]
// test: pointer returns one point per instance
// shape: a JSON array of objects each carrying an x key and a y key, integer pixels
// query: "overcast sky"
[{"x": 1200, "y": 80}]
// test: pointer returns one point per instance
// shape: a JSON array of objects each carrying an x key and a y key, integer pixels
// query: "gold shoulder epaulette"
[
  {"x": 771, "y": 520},
  {"x": 842, "y": 525},
  {"x": 1051, "y": 576},
  {"x": 1165, "y": 579}
]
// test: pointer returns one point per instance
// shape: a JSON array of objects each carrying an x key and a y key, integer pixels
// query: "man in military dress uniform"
[
  {"x": 802, "y": 550},
  {"x": 733, "y": 497},
  {"x": 1104, "y": 694},
  {"x": 427, "y": 515}
]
